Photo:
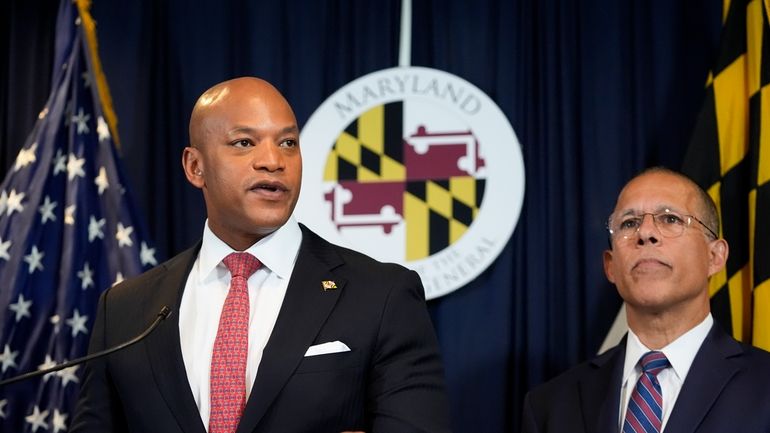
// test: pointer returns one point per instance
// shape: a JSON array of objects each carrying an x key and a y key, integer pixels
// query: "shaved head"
[
  {"x": 244, "y": 156},
  {"x": 223, "y": 93}
]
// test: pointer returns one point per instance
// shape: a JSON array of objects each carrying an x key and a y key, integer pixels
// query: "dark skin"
[{"x": 244, "y": 155}]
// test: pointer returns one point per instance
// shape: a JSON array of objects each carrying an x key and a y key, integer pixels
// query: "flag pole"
[
  {"x": 405, "y": 36},
  {"x": 89, "y": 30}
]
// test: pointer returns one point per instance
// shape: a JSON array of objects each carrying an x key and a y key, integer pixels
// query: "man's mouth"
[
  {"x": 649, "y": 264},
  {"x": 272, "y": 187}
]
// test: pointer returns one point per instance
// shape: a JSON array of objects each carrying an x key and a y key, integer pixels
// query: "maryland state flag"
[
  {"x": 730, "y": 157},
  {"x": 432, "y": 180},
  {"x": 67, "y": 232}
]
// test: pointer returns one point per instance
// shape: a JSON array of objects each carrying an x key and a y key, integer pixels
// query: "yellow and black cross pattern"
[
  {"x": 729, "y": 156},
  {"x": 370, "y": 149},
  {"x": 438, "y": 213}
]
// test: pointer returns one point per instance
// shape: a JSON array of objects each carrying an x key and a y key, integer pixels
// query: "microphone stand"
[{"x": 162, "y": 315}]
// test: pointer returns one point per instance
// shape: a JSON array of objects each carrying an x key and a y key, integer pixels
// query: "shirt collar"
[
  {"x": 277, "y": 251},
  {"x": 680, "y": 352}
]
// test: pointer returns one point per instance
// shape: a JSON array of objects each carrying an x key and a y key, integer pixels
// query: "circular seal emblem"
[{"x": 415, "y": 166}]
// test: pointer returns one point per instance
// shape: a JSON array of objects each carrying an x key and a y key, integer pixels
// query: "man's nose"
[
  {"x": 648, "y": 231},
  {"x": 268, "y": 156}
]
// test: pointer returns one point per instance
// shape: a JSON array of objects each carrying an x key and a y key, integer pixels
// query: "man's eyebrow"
[
  {"x": 293, "y": 129},
  {"x": 242, "y": 130}
]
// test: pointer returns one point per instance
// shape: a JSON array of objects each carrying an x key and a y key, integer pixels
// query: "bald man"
[
  {"x": 676, "y": 370},
  {"x": 273, "y": 328}
]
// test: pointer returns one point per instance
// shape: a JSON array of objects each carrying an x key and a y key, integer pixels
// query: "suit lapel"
[
  {"x": 600, "y": 391},
  {"x": 304, "y": 310},
  {"x": 710, "y": 372},
  {"x": 164, "y": 348}
]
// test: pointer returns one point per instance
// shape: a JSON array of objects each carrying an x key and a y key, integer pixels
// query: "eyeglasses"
[{"x": 670, "y": 224}]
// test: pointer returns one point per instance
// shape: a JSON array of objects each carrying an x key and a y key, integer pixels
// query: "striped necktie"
[{"x": 645, "y": 408}]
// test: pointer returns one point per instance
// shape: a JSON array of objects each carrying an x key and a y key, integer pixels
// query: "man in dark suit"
[
  {"x": 676, "y": 370},
  {"x": 311, "y": 338}
]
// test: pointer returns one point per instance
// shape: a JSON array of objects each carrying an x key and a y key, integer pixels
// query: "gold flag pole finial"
[{"x": 89, "y": 27}]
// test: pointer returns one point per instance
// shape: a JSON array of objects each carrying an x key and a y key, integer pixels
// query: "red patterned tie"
[{"x": 228, "y": 360}]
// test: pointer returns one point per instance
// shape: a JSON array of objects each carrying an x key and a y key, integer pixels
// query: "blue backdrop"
[{"x": 595, "y": 90}]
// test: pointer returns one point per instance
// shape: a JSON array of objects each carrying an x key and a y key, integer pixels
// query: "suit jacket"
[
  {"x": 726, "y": 390},
  {"x": 390, "y": 381}
]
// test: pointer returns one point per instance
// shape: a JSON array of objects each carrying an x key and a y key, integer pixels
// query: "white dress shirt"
[
  {"x": 680, "y": 353},
  {"x": 205, "y": 293}
]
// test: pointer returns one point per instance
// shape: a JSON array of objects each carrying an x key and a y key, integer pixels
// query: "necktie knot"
[
  {"x": 654, "y": 362},
  {"x": 241, "y": 264}
]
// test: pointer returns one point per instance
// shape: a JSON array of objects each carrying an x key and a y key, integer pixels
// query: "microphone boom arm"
[{"x": 162, "y": 315}]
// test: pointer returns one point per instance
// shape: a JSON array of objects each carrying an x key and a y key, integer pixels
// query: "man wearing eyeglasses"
[{"x": 676, "y": 370}]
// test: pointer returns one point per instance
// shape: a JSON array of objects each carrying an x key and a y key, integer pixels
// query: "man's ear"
[
  {"x": 193, "y": 166},
  {"x": 607, "y": 259},
  {"x": 718, "y": 252}
]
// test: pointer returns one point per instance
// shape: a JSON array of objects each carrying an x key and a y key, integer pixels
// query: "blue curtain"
[{"x": 595, "y": 90}]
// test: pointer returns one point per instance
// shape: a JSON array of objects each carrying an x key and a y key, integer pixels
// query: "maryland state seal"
[{"x": 415, "y": 166}]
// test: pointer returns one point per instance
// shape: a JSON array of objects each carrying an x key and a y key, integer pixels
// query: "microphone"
[{"x": 162, "y": 315}]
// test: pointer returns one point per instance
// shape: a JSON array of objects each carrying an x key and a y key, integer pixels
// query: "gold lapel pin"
[{"x": 328, "y": 285}]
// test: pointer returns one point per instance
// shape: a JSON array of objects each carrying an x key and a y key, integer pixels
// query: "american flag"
[{"x": 67, "y": 232}]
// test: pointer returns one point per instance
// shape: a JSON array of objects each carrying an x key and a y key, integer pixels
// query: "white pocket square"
[{"x": 326, "y": 348}]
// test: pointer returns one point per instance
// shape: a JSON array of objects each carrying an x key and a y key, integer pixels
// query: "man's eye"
[
  {"x": 241, "y": 143},
  {"x": 670, "y": 219},
  {"x": 629, "y": 224},
  {"x": 289, "y": 142}
]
